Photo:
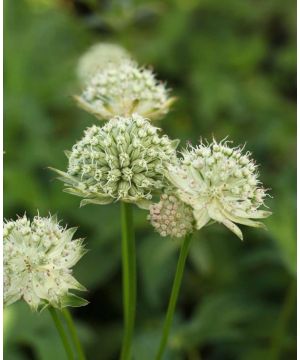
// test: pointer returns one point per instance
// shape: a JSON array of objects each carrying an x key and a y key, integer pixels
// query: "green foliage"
[
  {"x": 24, "y": 328},
  {"x": 232, "y": 66}
]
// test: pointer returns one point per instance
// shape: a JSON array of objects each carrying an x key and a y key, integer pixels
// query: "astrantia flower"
[
  {"x": 171, "y": 217},
  {"x": 220, "y": 184},
  {"x": 98, "y": 57},
  {"x": 38, "y": 257},
  {"x": 124, "y": 160},
  {"x": 123, "y": 90}
]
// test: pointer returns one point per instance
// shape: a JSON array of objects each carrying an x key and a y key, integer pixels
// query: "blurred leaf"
[
  {"x": 232, "y": 67},
  {"x": 218, "y": 318},
  {"x": 157, "y": 267},
  {"x": 74, "y": 301},
  {"x": 34, "y": 330},
  {"x": 283, "y": 229}
]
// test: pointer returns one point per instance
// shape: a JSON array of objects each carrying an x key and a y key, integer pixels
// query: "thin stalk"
[
  {"x": 73, "y": 332},
  {"x": 174, "y": 295},
  {"x": 129, "y": 278},
  {"x": 62, "y": 333}
]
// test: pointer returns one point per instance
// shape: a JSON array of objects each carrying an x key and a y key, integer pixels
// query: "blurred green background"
[{"x": 232, "y": 65}]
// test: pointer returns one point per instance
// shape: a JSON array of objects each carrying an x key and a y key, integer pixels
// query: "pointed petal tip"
[{"x": 82, "y": 204}]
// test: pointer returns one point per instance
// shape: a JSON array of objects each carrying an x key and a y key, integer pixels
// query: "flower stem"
[
  {"x": 62, "y": 333},
  {"x": 129, "y": 278},
  {"x": 174, "y": 295},
  {"x": 72, "y": 329}
]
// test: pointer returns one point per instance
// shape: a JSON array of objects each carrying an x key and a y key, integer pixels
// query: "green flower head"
[
  {"x": 124, "y": 160},
  {"x": 125, "y": 89}
]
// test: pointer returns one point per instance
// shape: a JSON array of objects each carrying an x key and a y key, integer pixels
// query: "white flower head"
[
  {"x": 38, "y": 260},
  {"x": 171, "y": 217},
  {"x": 124, "y": 160},
  {"x": 125, "y": 89},
  {"x": 98, "y": 57},
  {"x": 220, "y": 184}
]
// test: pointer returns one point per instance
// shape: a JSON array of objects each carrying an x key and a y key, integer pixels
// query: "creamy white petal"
[
  {"x": 202, "y": 218},
  {"x": 38, "y": 257},
  {"x": 224, "y": 182}
]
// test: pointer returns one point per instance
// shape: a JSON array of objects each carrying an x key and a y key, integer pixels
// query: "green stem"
[
  {"x": 72, "y": 329},
  {"x": 129, "y": 278},
  {"x": 61, "y": 332},
  {"x": 283, "y": 319},
  {"x": 174, "y": 295}
]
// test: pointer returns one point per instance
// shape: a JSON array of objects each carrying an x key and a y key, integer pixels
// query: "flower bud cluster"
[
  {"x": 171, "y": 217},
  {"x": 220, "y": 183},
  {"x": 123, "y": 160},
  {"x": 124, "y": 89},
  {"x": 98, "y": 57},
  {"x": 38, "y": 257}
]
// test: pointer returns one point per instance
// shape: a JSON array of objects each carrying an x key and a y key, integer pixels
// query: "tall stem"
[
  {"x": 72, "y": 329},
  {"x": 61, "y": 332},
  {"x": 174, "y": 295},
  {"x": 129, "y": 278}
]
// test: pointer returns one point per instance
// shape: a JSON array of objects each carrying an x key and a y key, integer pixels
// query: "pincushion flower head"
[
  {"x": 171, "y": 217},
  {"x": 123, "y": 90},
  {"x": 38, "y": 260},
  {"x": 98, "y": 57},
  {"x": 124, "y": 160},
  {"x": 220, "y": 184}
]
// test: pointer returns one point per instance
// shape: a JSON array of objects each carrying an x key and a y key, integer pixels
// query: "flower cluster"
[
  {"x": 127, "y": 160},
  {"x": 220, "y": 184},
  {"x": 171, "y": 217},
  {"x": 98, "y": 57},
  {"x": 121, "y": 90},
  {"x": 38, "y": 257},
  {"x": 123, "y": 160}
]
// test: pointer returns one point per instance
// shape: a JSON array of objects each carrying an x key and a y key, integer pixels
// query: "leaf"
[
  {"x": 73, "y": 301},
  {"x": 68, "y": 153},
  {"x": 175, "y": 143},
  {"x": 34, "y": 329},
  {"x": 282, "y": 227},
  {"x": 157, "y": 263},
  {"x": 96, "y": 201},
  {"x": 217, "y": 318},
  {"x": 143, "y": 204},
  {"x": 74, "y": 192}
]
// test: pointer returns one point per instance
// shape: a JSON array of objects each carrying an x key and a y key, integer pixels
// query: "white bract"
[
  {"x": 98, "y": 57},
  {"x": 38, "y": 257},
  {"x": 123, "y": 90},
  {"x": 124, "y": 160},
  {"x": 220, "y": 184},
  {"x": 171, "y": 217}
]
